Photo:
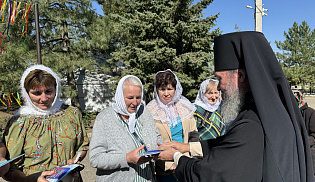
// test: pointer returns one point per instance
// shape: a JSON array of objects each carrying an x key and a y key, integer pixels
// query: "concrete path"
[
  {"x": 88, "y": 174},
  {"x": 310, "y": 101}
]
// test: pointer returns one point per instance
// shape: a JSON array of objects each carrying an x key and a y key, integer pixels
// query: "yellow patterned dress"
[{"x": 46, "y": 141}]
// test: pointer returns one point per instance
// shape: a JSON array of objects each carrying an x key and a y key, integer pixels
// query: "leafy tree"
[
  {"x": 164, "y": 34},
  {"x": 298, "y": 54}
]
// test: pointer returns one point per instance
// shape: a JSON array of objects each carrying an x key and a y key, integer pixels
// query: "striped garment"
[
  {"x": 209, "y": 124},
  {"x": 142, "y": 174}
]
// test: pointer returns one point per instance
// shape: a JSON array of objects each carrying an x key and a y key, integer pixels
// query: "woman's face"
[
  {"x": 42, "y": 97},
  {"x": 166, "y": 94},
  {"x": 212, "y": 95},
  {"x": 132, "y": 97}
]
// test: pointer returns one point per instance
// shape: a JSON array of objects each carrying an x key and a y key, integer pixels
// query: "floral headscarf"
[{"x": 300, "y": 98}]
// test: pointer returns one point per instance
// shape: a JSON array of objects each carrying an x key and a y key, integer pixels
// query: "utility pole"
[
  {"x": 259, "y": 13},
  {"x": 258, "y": 16}
]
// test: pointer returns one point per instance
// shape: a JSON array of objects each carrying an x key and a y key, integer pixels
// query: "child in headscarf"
[{"x": 308, "y": 115}]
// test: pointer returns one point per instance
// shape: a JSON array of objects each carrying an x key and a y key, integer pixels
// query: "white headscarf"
[
  {"x": 202, "y": 101},
  {"x": 29, "y": 108},
  {"x": 120, "y": 106},
  {"x": 165, "y": 113}
]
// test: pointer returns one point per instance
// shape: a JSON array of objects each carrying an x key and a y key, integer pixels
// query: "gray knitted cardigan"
[{"x": 111, "y": 142}]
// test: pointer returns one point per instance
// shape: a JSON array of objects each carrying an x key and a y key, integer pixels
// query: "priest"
[{"x": 266, "y": 139}]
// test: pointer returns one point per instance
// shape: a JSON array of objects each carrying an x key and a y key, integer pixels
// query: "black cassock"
[
  {"x": 270, "y": 144},
  {"x": 236, "y": 156}
]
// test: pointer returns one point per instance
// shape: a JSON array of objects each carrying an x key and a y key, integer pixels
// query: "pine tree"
[
  {"x": 64, "y": 43},
  {"x": 18, "y": 47},
  {"x": 63, "y": 26},
  {"x": 298, "y": 56},
  {"x": 103, "y": 35},
  {"x": 165, "y": 34}
]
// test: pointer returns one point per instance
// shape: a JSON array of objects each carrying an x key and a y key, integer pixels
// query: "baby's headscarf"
[{"x": 120, "y": 106}]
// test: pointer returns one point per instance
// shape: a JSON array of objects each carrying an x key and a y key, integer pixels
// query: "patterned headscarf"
[
  {"x": 179, "y": 103},
  {"x": 29, "y": 108},
  {"x": 300, "y": 98},
  {"x": 201, "y": 99},
  {"x": 120, "y": 106}
]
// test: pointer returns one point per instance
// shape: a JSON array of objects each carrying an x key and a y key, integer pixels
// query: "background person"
[
  {"x": 208, "y": 113},
  {"x": 308, "y": 115},
  {"x": 120, "y": 133},
  {"x": 266, "y": 139},
  {"x": 173, "y": 115},
  {"x": 46, "y": 130}
]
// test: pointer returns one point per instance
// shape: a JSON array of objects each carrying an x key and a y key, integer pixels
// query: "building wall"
[
  {"x": 93, "y": 91},
  {"x": 94, "y": 97}
]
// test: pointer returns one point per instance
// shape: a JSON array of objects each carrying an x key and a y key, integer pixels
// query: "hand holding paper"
[
  {"x": 60, "y": 172},
  {"x": 76, "y": 160},
  {"x": 4, "y": 169},
  {"x": 134, "y": 158}
]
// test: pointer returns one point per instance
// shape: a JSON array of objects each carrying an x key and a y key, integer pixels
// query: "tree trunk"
[
  {"x": 70, "y": 76},
  {"x": 72, "y": 83}
]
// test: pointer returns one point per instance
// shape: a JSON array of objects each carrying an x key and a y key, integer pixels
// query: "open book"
[
  {"x": 60, "y": 172},
  {"x": 2, "y": 163}
]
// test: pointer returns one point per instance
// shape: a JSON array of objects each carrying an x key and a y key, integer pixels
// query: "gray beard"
[{"x": 233, "y": 100}]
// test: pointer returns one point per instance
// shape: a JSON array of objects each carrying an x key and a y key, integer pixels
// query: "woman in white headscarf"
[
  {"x": 208, "y": 114},
  {"x": 121, "y": 133},
  {"x": 173, "y": 115},
  {"x": 46, "y": 130}
]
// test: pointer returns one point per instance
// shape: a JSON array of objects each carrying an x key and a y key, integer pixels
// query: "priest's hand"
[
  {"x": 181, "y": 147},
  {"x": 167, "y": 154}
]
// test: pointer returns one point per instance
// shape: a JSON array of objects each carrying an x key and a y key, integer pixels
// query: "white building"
[{"x": 93, "y": 91}]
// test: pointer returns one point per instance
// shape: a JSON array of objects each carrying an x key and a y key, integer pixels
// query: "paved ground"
[
  {"x": 88, "y": 174},
  {"x": 310, "y": 101}
]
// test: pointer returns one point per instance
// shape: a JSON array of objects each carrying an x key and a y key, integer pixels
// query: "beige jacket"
[{"x": 189, "y": 125}]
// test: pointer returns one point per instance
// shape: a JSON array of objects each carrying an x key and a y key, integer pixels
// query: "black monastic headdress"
[{"x": 287, "y": 154}]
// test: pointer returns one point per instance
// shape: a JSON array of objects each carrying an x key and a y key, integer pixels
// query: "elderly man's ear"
[
  {"x": 241, "y": 75},
  {"x": 243, "y": 81}
]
